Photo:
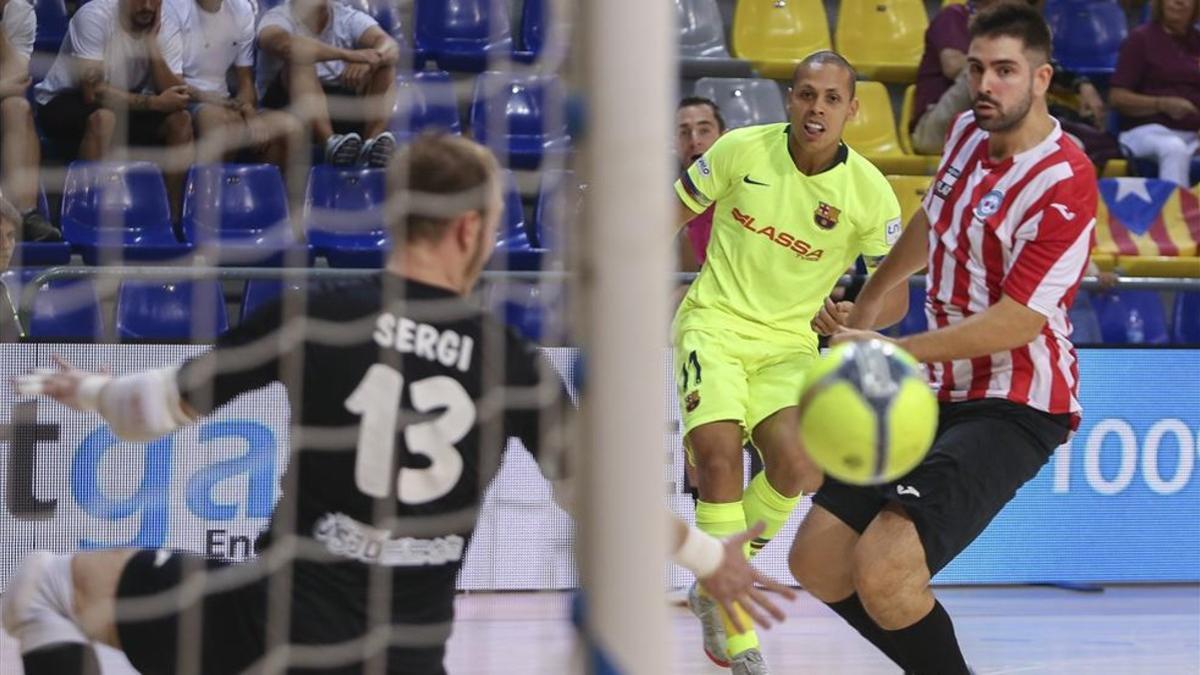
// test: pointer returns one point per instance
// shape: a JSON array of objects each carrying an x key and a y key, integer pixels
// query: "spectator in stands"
[
  {"x": 20, "y": 154},
  {"x": 1156, "y": 88},
  {"x": 218, "y": 35},
  {"x": 942, "y": 85},
  {"x": 698, "y": 124},
  {"x": 10, "y": 220},
  {"x": 331, "y": 63},
  {"x": 117, "y": 81}
]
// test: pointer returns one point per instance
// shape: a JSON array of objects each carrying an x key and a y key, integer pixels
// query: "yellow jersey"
[{"x": 780, "y": 239}]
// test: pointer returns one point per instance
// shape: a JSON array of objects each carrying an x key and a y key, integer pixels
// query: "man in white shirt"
[
  {"x": 121, "y": 61},
  {"x": 318, "y": 54},
  {"x": 218, "y": 35},
  {"x": 20, "y": 154}
]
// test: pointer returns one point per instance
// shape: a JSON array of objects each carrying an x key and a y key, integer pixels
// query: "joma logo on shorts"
[{"x": 798, "y": 246}]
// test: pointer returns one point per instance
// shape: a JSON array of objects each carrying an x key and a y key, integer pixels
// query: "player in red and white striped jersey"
[{"x": 1005, "y": 233}]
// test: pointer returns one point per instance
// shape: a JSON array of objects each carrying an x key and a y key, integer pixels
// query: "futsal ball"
[{"x": 867, "y": 414}]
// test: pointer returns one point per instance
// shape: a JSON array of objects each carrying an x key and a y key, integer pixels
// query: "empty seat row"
[
  {"x": 1119, "y": 317},
  {"x": 882, "y": 38},
  {"x": 70, "y": 309},
  {"x": 522, "y": 118},
  {"x": 237, "y": 214},
  {"x": 470, "y": 35}
]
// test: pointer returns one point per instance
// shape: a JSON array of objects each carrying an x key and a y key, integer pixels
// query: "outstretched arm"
[
  {"x": 726, "y": 574},
  {"x": 139, "y": 407}
]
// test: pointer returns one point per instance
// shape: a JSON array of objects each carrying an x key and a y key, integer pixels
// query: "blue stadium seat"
[
  {"x": 261, "y": 291},
  {"x": 464, "y": 35},
  {"x": 1087, "y": 34},
  {"x": 118, "y": 211},
  {"x": 264, "y": 5},
  {"x": 559, "y": 201},
  {"x": 237, "y": 214},
  {"x": 52, "y": 23},
  {"x": 1185, "y": 329},
  {"x": 63, "y": 309},
  {"x": 386, "y": 14},
  {"x": 744, "y": 101},
  {"x": 182, "y": 311},
  {"x": 515, "y": 248},
  {"x": 1084, "y": 321},
  {"x": 525, "y": 307},
  {"x": 914, "y": 321},
  {"x": 426, "y": 101},
  {"x": 534, "y": 28},
  {"x": 1131, "y": 317},
  {"x": 533, "y": 117},
  {"x": 343, "y": 215}
]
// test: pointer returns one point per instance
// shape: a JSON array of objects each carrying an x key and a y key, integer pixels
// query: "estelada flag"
[{"x": 1147, "y": 217}]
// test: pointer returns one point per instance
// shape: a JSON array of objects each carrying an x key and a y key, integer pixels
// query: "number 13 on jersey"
[{"x": 377, "y": 401}]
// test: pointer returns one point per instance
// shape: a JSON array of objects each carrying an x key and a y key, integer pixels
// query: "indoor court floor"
[{"x": 1125, "y": 630}]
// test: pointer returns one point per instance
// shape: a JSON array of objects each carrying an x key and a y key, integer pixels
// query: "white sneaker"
[
  {"x": 377, "y": 152},
  {"x": 343, "y": 149},
  {"x": 750, "y": 662},
  {"x": 709, "y": 612}
]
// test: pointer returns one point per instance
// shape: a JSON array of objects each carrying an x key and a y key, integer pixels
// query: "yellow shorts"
[{"x": 726, "y": 377}]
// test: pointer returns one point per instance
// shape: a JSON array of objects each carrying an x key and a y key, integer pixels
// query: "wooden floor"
[{"x": 1122, "y": 631}]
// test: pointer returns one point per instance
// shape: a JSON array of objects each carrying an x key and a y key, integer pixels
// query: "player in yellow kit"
[{"x": 795, "y": 208}]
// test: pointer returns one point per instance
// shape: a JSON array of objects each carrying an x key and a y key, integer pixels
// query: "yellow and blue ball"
[{"x": 867, "y": 414}]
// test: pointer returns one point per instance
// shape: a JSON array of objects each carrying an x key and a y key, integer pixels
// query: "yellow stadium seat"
[
  {"x": 953, "y": 2},
  {"x": 1115, "y": 168},
  {"x": 910, "y": 190},
  {"x": 873, "y": 134},
  {"x": 883, "y": 39},
  {"x": 1158, "y": 266},
  {"x": 1105, "y": 261},
  {"x": 873, "y": 131},
  {"x": 774, "y": 36}
]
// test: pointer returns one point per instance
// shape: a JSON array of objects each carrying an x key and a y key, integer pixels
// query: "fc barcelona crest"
[
  {"x": 826, "y": 216},
  {"x": 692, "y": 401}
]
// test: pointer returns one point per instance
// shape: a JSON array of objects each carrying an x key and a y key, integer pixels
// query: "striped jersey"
[{"x": 1020, "y": 227}]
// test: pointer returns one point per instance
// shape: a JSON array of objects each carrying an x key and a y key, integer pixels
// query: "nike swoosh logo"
[{"x": 751, "y": 181}]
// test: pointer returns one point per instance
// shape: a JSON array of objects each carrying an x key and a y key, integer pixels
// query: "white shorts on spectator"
[{"x": 1172, "y": 148}]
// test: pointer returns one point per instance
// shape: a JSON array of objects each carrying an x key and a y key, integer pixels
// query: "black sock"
[
  {"x": 62, "y": 658},
  {"x": 929, "y": 646},
  {"x": 851, "y": 609}
]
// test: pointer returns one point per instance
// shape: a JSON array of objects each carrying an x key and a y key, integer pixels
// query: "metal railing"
[{"x": 109, "y": 278}]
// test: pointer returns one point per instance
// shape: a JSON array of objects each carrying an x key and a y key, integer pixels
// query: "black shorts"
[
  {"x": 277, "y": 97},
  {"x": 226, "y": 628},
  {"x": 64, "y": 118},
  {"x": 983, "y": 452}
]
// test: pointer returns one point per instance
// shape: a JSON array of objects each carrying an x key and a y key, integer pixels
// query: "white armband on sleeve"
[
  {"x": 140, "y": 407},
  {"x": 701, "y": 553}
]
